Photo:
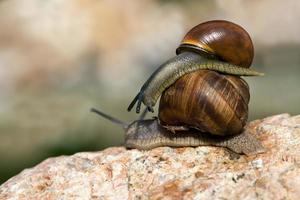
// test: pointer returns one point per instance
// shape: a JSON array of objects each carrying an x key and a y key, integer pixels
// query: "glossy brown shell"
[
  {"x": 208, "y": 101},
  {"x": 225, "y": 40}
]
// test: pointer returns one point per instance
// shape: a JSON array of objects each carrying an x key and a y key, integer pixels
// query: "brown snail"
[
  {"x": 214, "y": 45},
  {"x": 145, "y": 134},
  {"x": 204, "y": 101}
]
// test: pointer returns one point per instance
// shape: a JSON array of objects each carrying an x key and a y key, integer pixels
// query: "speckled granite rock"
[{"x": 170, "y": 173}]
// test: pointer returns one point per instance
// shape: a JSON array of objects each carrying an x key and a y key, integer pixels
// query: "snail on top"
[{"x": 216, "y": 45}]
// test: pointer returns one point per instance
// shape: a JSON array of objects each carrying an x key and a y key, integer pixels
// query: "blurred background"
[{"x": 60, "y": 58}]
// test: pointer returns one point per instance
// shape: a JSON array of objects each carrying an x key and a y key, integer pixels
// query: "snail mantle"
[{"x": 172, "y": 173}]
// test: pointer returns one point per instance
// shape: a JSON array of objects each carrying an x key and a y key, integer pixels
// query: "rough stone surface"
[{"x": 172, "y": 173}]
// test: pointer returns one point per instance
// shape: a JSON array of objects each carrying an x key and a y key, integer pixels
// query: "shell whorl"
[
  {"x": 208, "y": 101},
  {"x": 222, "y": 39}
]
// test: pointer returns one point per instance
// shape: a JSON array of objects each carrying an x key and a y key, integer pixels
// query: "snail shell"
[
  {"x": 208, "y": 101},
  {"x": 225, "y": 40}
]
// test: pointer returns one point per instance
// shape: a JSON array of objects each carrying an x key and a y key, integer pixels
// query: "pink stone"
[{"x": 170, "y": 173}]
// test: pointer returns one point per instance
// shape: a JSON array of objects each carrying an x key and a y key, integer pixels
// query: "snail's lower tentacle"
[
  {"x": 139, "y": 103},
  {"x": 150, "y": 109}
]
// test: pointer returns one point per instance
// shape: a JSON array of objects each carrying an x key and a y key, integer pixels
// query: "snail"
[
  {"x": 216, "y": 45},
  {"x": 207, "y": 101},
  {"x": 146, "y": 134},
  {"x": 204, "y": 102}
]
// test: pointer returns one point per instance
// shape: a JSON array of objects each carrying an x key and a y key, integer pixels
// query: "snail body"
[
  {"x": 173, "y": 69},
  {"x": 201, "y": 49},
  {"x": 146, "y": 134}
]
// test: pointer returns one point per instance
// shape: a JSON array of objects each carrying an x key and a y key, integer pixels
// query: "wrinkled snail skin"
[
  {"x": 176, "y": 67},
  {"x": 149, "y": 134}
]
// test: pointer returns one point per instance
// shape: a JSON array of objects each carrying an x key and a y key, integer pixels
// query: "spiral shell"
[
  {"x": 208, "y": 101},
  {"x": 224, "y": 40}
]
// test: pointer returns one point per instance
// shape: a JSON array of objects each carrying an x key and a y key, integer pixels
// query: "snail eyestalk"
[
  {"x": 138, "y": 99},
  {"x": 133, "y": 102},
  {"x": 110, "y": 118}
]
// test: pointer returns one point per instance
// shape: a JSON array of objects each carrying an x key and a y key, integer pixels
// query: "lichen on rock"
[{"x": 172, "y": 173}]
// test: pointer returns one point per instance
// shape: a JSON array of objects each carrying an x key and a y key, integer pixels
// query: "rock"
[{"x": 172, "y": 173}]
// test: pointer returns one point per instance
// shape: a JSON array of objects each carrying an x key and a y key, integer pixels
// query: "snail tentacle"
[
  {"x": 133, "y": 102},
  {"x": 114, "y": 120}
]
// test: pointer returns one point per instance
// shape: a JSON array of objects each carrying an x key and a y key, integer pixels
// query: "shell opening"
[{"x": 196, "y": 49}]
